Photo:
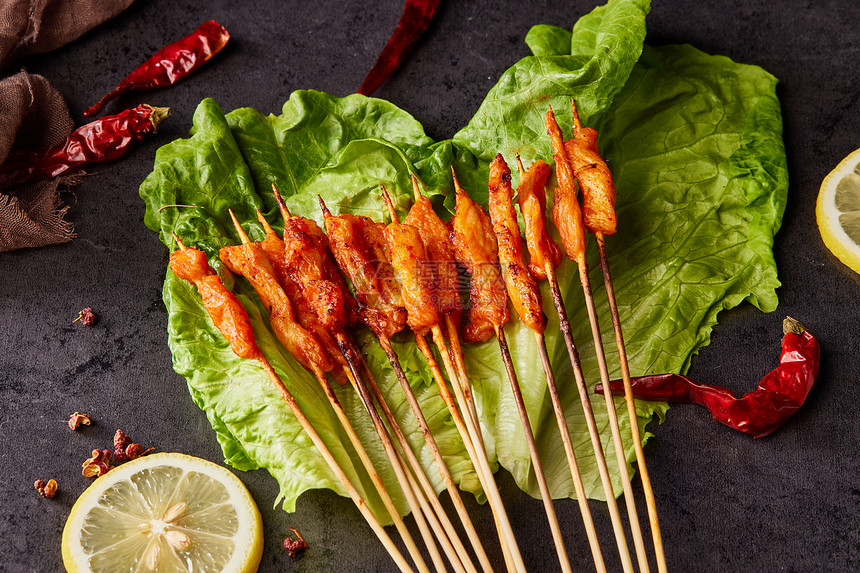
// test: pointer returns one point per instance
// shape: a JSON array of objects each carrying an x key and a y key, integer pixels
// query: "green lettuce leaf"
[{"x": 695, "y": 145}]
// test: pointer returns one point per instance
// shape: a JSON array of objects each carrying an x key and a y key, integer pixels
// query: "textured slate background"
[{"x": 728, "y": 503}]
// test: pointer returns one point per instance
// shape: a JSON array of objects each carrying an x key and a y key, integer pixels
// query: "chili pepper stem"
[
  {"x": 591, "y": 423},
  {"x": 424, "y": 491},
  {"x": 632, "y": 514},
  {"x": 631, "y": 408},
  {"x": 533, "y": 451}
]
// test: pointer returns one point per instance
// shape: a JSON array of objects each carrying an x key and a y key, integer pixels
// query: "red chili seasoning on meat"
[
  {"x": 171, "y": 63},
  {"x": 105, "y": 139},
  {"x": 760, "y": 412},
  {"x": 417, "y": 15}
]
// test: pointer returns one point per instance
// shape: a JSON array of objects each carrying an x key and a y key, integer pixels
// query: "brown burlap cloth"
[{"x": 34, "y": 114}]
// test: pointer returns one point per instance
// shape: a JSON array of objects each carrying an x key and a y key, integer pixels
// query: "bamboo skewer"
[
  {"x": 442, "y": 467},
  {"x": 446, "y": 534},
  {"x": 533, "y": 451},
  {"x": 603, "y": 469},
  {"x": 597, "y": 446},
  {"x": 469, "y": 429},
  {"x": 332, "y": 463},
  {"x": 631, "y": 408},
  {"x": 423, "y": 483},
  {"x": 571, "y": 456},
  {"x": 329, "y": 458},
  {"x": 371, "y": 470},
  {"x": 577, "y": 254},
  {"x": 632, "y": 514},
  {"x": 458, "y": 556}
]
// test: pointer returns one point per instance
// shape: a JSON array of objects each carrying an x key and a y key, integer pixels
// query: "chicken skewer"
[
  {"x": 598, "y": 192},
  {"x": 355, "y": 241},
  {"x": 435, "y": 236},
  {"x": 231, "y": 319},
  {"x": 476, "y": 248},
  {"x": 307, "y": 261},
  {"x": 545, "y": 255},
  {"x": 251, "y": 261},
  {"x": 567, "y": 216},
  {"x": 414, "y": 270},
  {"x": 525, "y": 295}
]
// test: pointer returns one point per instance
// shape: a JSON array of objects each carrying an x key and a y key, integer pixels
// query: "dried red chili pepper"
[
  {"x": 171, "y": 63},
  {"x": 105, "y": 139},
  {"x": 416, "y": 17},
  {"x": 760, "y": 412}
]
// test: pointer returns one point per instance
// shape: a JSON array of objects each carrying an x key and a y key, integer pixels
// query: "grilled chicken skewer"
[
  {"x": 415, "y": 272},
  {"x": 251, "y": 261},
  {"x": 544, "y": 256},
  {"x": 525, "y": 295},
  {"x": 436, "y": 237},
  {"x": 598, "y": 192},
  {"x": 307, "y": 262},
  {"x": 568, "y": 218},
  {"x": 358, "y": 246},
  {"x": 476, "y": 249},
  {"x": 231, "y": 319}
]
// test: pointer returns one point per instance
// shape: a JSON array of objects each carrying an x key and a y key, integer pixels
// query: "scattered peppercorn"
[
  {"x": 125, "y": 449},
  {"x": 98, "y": 464},
  {"x": 86, "y": 316},
  {"x": 47, "y": 490},
  {"x": 295, "y": 547},
  {"x": 77, "y": 419}
]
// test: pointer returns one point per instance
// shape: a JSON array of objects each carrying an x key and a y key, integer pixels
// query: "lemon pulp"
[
  {"x": 167, "y": 513},
  {"x": 838, "y": 211}
]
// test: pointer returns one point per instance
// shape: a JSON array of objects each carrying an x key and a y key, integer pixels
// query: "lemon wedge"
[
  {"x": 164, "y": 512},
  {"x": 838, "y": 211}
]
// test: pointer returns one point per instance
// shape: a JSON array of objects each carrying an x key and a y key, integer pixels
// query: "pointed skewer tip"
[
  {"x": 179, "y": 242},
  {"x": 386, "y": 198},
  {"x": 242, "y": 235}
]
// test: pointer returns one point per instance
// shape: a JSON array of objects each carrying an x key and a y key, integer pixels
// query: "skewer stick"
[
  {"x": 571, "y": 456},
  {"x": 631, "y": 408},
  {"x": 603, "y": 469},
  {"x": 371, "y": 470},
  {"x": 459, "y": 557},
  {"x": 424, "y": 491},
  {"x": 410, "y": 455},
  {"x": 564, "y": 324},
  {"x": 469, "y": 431},
  {"x": 383, "y": 493},
  {"x": 533, "y": 451},
  {"x": 479, "y": 459},
  {"x": 329, "y": 458},
  {"x": 335, "y": 467},
  {"x": 632, "y": 514}
]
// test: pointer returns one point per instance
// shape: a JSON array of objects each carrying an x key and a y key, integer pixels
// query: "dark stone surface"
[{"x": 727, "y": 503}]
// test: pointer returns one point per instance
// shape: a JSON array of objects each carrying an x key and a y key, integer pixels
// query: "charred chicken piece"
[
  {"x": 251, "y": 261},
  {"x": 522, "y": 289},
  {"x": 531, "y": 196},
  {"x": 225, "y": 310},
  {"x": 437, "y": 240},
  {"x": 413, "y": 271},
  {"x": 566, "y": 213},
  {"x": 358, "y": 246},
  {"x": 476, "y": 249},
  {"x": 594, "y": 177}
]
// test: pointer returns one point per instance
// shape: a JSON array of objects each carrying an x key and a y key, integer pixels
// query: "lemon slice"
[
  {"x": 164, "y": 512},
  {"x": 838, "y": 211}
]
